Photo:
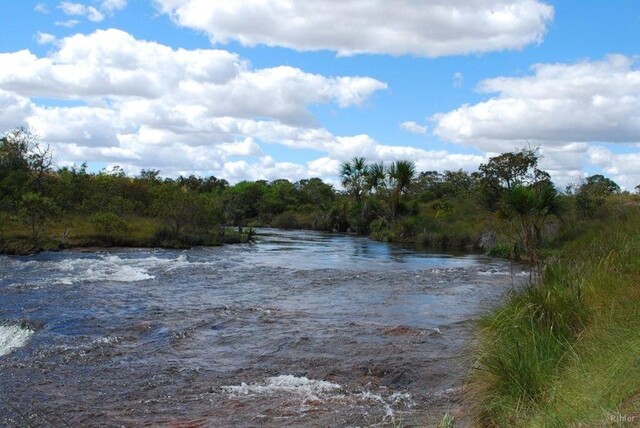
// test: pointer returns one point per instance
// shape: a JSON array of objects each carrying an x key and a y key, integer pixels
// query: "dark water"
[{"x": 302, "y": 329}]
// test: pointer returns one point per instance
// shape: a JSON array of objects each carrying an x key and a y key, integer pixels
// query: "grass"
[
  {"x": 79, "y": 231},
  {"x": 447, "y": 421},
  {"x": 566, "y": 351}
]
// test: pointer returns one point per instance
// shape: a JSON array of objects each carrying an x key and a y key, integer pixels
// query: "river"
[{"x": 301, "y": 329}]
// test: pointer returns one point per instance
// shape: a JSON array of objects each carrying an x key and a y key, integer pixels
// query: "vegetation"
[
  {"x": 43, "y": 208},
  {"x": 565, "y": 351},
  {"x": 507, "y": 207}
]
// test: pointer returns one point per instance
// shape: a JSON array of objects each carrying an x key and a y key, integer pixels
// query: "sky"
[{"x": 269, "y": 89}]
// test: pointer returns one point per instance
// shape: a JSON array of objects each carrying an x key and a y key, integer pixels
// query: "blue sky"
[{"x": 281, "y": 89}]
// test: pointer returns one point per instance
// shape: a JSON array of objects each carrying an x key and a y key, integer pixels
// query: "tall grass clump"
[{"x": 565, "y": 350}]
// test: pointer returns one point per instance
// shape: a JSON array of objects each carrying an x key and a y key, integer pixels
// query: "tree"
[
  {"x": 280, "y": 196},
  {"x": 592, "y": 193},
  {"x": 601, "y": 185},
  {"x": 15, "y": 173},
  {"x": 353, "y": 177},
  {"x": 507, "y": 170},
  {"x": 315, "y": 192},
  {"x": 109, "y": 224},
  {"x": 376, "y": 177},
  {"x": 526, "y": 209},
  {"x": 175, "y": 206},
  {"x": 35, "y": 211},
  {"x": 152, "y": 176},
  {"x": 400, "y": 175},
  {"x": 242, "y": 201}
]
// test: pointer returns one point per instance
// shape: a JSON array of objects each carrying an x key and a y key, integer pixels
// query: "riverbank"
[
  {"x": 566, "y": 351},
  {"x": 78, "y": 233}
]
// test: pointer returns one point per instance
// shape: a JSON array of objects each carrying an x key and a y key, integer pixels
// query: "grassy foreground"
[{"x": 566, "y": 351}]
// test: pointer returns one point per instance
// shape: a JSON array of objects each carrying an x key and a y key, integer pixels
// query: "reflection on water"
[
  {"x": 345, "y": 252},
  {"x": 302, "y": 329}
]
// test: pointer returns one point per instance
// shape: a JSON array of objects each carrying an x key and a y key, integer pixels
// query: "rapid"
[{"x": 301, "y": 329}]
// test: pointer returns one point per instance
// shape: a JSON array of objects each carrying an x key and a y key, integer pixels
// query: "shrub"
[{"x": 108, "y": 224}]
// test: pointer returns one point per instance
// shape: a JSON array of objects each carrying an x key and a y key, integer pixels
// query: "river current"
[{"x": 300, "y": 329}]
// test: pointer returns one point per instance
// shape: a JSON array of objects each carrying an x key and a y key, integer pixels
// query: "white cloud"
[
  {"x": 430, "y": 28},
  {"x": 458, "y": 79},
  {"x": 45, "y": 38},
  {"x": 69, "y": 8},
  {"x": 156, "y": 83},
  {"x": 112, "y": 5},
  {"x": 414, "y": 128},
  {"x": 558, "y": 104},
  {"x": 70, "y": 23},
  {"x": 563, "y": 108},
  {"x": 41, "y": 8},
  {"x": 248, "y": 147},
  {"x": 621, "y": 168},
  {"x": 14, "y": 110},
  {"x": 79, "y": 9},
  {"x": 145, "y": 105}
]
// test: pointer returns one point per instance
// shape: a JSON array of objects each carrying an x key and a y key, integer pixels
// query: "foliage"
[
  {"x": 506, "y": 171},
  {"x": 35, "y": 211},
  {"x": 353, "y": 176},
  {"x": 108, "y": 224},
  {"x": 563, "y": 351},
  {"x": 449, "y": 211},
  {"x": 591, "y": 196},
  {"x": 527, "y": 208}
]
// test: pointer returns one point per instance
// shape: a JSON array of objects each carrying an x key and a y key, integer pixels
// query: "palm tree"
[
  {"x": 354, "y": 177},
  {"x": 527, "y": 208},
  {"x": 376, "y": 177},
  {"x": 400, "y": 175}
]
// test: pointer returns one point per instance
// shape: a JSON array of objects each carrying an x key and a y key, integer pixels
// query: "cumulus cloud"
[
  {"x": 145, "y": 105},
  {"x": 70, "y": 23},
  {"x": 621, "y": 167},
  {"x": 559, "y": 103},
  {"x": 79, "y": 9},
  {"x": 154, "y": 82},
  {"x": 431, "y": 28},
  {"x": 14, "y": 110},
  {"x": 41, "y": 8},
  {"x": 563, "y": 108},
  {"x": 45, "y": 38},
  {"x": 414, "y": 127},
  {"x": 112, "y": 5}
]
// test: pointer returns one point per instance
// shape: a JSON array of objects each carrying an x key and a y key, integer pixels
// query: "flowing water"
[{"x": 301, "y": 329}]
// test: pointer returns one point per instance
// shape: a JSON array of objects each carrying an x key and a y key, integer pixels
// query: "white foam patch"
[
  {"x": 115, "y": 268},
  {"x": 12, "y": 337},
  {"x": 388, "y": 403},
  {"x": 502, "y": 273},
  {"x": 311, "y": 390},
  {"x": 301, "y": 386}
]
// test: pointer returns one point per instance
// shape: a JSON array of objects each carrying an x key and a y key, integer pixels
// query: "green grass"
[
  {"x": 80, "y": 232},
  {"x": 566, "y": 351}
]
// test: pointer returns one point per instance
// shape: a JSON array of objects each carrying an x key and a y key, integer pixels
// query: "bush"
[
  {"x": 108, "y": 224},
  {"x": 286, "y": 220}
]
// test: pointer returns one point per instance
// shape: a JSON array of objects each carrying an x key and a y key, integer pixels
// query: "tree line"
[{"x": 393, "y": 201}]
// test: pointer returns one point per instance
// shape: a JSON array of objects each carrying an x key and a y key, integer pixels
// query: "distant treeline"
[{"x": 452, "y": 210}]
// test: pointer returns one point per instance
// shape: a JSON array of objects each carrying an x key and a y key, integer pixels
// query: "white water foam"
[
  {"x": 395, "y": 399},
  {"x": 312, "y": 390},
  {"x": 115, "y": 268},
  {"x": 502, "y": 273},
  {"x": 12, "y": 337},
  {"x": 301, "y": 386}
]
